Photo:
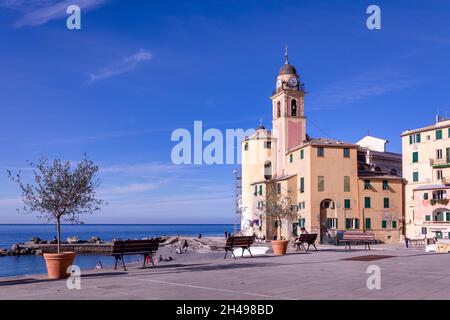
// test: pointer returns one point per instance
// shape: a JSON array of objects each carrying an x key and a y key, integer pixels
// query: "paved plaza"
[{"x": 330, "y": 273}]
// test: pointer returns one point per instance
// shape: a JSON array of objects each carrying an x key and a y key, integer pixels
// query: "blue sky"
[{"x": 139, "y": 69}]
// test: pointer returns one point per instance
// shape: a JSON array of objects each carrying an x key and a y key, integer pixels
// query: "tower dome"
[{"x": 287, "y": 68}]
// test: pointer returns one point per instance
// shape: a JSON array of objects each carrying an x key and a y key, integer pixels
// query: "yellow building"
[
  {"x": 332, "y": 185},
  {"x": 426, "y": 167}
]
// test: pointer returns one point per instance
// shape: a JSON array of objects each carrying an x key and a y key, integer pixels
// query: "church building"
[{"x": 332, "y": 185}]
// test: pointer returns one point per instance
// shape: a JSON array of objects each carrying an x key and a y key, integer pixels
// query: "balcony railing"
[{"x": 440, "y": 163}]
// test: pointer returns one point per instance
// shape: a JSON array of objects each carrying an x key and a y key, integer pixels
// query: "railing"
[{"x": 440, "y": 162}]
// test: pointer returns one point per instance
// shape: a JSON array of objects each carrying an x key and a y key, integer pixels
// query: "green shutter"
[
  {"x": 386, "y": 203},
  {"x": 447, "y": 216},
  {"x": 427, "y": 218},
  {"x": 385, "y": 184},
  {"x": 367, "y": 202},
  {"x": 425, "y": 196},
  {"x": 415, "y": 157},
  {"x": 291, "y": 158},
  {"x": 368, "y": 223},
  {"x": 356, "y": 223},
  {"x": 302, "y": 185},
  {"x": 415, "y": 176},
  {"x": 347, "y": 203},
  {"x": 302, "y": 154},
  {"x": 260, "y": 190},
  {"x": 410, "y": 139},
  {"x": 384, "y": 224},
  {"x": 418, "y": 138},
  {"x": 394, "y": 224},
  {"x": 438, "y": 134}
]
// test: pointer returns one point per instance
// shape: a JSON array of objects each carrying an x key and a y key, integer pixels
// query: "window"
[
  {"x": 447, "y": 216},
  {"x": 367, "y": 202},
  {"x": 427, "y": 217},
  {"x": 438, "y": 234},
  {"x": 384, "y": 224},
  {"x": 439, "y": 174},
  {"x": 386, "y": 203},
  {"x": 368, "y": 223},
  {"x": 278, "y": 109},
  {"x": 385, "y": 185},
  {"x": 256, "y": 191},
  {"x": 347, "y": 204},
  {"x": 320, "y": 152},
  {"x": 439, "y": 195},
  {"x": 351, "y": 223},
  {"x": 267, "y": 144},
  {"x": 415, "y": 176},
  {"x": 302, "y": 185},
  {"x": 425, "y": 196},
  {"x": 394, "y": 224},
  {"x": 291, "y": 158},
  {"x": 438, "y": 134},
  {"x": 294, "y": 108},
  {"x": 415, "y": 157},
  {"x": 320, "y": 183},
  {"x": 367, "y": 185},
  {"x": 439, "y": 154},
  {"x": 415, "y": 138},
  {"x": 295, "y": 228},
  {"x": 246, "y": 146},
  {"x": 346, "y": 184},
  {"x": 302, "y": 154},
  {"x": 260, "y": 190},
  {"x": 346, "y": 153},
  {"x": 301, "y": 205},
  {"x": 268, "y": 170},
  {"x": 301, "y": 222},
  {"x": 260, "y": 205},
  {"x": 332, "y": 223},
  {"x": 279, "y": 188}
]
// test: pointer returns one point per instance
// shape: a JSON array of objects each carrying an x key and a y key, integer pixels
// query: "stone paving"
[{"x": 405, "y": 274}]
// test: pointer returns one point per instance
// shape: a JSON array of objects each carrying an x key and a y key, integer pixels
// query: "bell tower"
[{"x": 288, "y": 112}]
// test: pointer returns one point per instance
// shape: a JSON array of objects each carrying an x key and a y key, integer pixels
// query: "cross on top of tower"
[{"x": 286, "y": 55}]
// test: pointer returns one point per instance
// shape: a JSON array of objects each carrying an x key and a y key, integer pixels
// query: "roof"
[
  {"x": 287, "y": 69},
  {"x": 367, "y": 175},
  {"x": 437, "y": 125}
]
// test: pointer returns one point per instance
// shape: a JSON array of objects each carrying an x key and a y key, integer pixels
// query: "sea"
[{"x": 28, "y": 265}]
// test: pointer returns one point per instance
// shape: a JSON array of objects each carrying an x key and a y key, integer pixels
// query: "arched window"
[
  {"x": 278, "y": 109},
  {"x": 294, "y": 108},
  {"x": 268, "y": 170}
]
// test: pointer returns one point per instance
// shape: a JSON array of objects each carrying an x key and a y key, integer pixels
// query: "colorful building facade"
[
  {"x": 426, "y": 167},
  {"x": 332, "y": 185}
]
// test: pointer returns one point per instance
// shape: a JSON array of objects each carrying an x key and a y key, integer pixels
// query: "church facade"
[{"x": 331, "y": 185}]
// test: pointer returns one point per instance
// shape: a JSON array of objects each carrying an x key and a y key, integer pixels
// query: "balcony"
[{"x": 440, "y": 163}]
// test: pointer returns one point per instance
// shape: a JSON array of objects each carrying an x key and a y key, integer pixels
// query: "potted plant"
[
  {"x": 59, "y": 193},
  {"x": 278, "y": 208}
]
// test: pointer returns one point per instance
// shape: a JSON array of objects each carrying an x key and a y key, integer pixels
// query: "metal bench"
[
  {"x": 243, "y": 242},
  {"x": 355, "y": 237},
  {"x": 122, "y": 248},
  {"x": 309, "y": 239}
]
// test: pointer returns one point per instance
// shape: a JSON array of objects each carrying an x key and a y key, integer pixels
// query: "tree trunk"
[{"x": 58, "y": 224}]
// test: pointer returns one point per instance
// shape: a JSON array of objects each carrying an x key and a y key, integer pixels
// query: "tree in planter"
[
  {"x": 279, "y": 206},
  {"x": 60, "y": 193}
]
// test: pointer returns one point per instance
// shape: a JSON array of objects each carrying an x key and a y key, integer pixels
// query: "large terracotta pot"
[
  {"x": 57, "y": 264},
  {"x": 279, "y": 247}
]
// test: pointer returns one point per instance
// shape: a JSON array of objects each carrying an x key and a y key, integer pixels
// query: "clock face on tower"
[
  {"x": 292, "y": 82},
  {"x": 279, "y": 83}
]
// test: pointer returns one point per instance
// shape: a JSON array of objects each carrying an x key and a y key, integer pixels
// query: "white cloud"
[
  {"x": 358, "y": 88},
  {"x": 127, "y": 64},
  {"x": 35, "y": 12}
]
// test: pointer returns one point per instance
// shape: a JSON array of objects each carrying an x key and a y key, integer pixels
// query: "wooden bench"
[
  {"x": 243, "y": 242},
  {"x": 309, "y": 239},
  {"x": 122, "y": 248},
  {"x": 356, "y": 237}
]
